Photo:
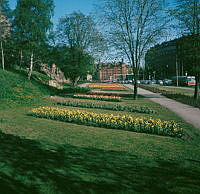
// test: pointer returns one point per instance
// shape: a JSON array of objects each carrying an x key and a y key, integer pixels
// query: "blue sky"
[{"x": 63, "y": 7}]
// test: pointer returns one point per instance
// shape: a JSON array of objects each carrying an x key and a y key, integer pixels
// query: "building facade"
[
  {"x": 175, "y": 57},
  {"x": 113, "y": 71},
  {"x": 160, "y": 60}
]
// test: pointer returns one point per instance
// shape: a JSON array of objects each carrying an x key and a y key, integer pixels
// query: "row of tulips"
[
  {"x": 98, "y": 97},
  {"x": 124, "y": 122},
  {"x": 113, "y": 89},
  {"x": 115, "y": 107},
  {"x": 106, "y": 85}
]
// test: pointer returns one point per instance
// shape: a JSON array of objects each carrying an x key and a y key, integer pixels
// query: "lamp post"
[
  {"x": 176, "y": 62},
  {"x": 154, "y": 75}
]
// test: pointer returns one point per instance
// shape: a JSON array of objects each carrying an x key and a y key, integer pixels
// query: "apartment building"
[{"x": 113, "y": 71}]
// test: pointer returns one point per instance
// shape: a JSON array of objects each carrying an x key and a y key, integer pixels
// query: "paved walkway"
[
  {"x": 188, "y": 113},
  {"x": 83, "y": 85}
]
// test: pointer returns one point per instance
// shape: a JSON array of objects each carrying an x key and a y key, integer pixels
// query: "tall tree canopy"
[
  {"x": 133, "y": 26},
  {"x": 32, "y": 21},
  {"x": 4, "y": 32},
  {"x": 5, "y": 9},
  {"x": 187, "y": 12},
  {"x": 79, "y": 34},
  {"x": 79, "y": 30},
  {"x": 74, "y": 62}
]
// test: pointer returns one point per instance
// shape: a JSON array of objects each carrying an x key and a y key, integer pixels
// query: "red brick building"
[{"x": 113, "y": 71}]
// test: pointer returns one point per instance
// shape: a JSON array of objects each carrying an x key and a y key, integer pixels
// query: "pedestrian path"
[{"x": 186, "y": 112}]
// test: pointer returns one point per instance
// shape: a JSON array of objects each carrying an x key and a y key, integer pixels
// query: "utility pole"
[
  {"x": 196, "y": 34},
  {"x": 2, "y": 56},
  {"x": 194, "y": 17},
  {"x": 176, "y": 71},
  {"x": 176, "y": 59}
]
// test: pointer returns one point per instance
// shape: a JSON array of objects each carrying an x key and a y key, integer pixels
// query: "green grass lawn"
[
  {"x": 182, "y": 95},
  {"x": 46, "y": 156},
  {"x": 178, "y": 90}
]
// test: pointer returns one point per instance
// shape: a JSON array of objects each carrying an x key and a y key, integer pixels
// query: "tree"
[
  {"x": 79, "y": 30},
  {"x": 187, "y": 12},
  {"x": 32, "y": 21},
  {"x": 133, "y": 26},
  {"x": 189, "y": 49},
  {"x": 74, "y": 62},
  {"x": 4, "y": 32},
  {"x": 79, "y": 34},
  {"x": 5, "y": 9}
]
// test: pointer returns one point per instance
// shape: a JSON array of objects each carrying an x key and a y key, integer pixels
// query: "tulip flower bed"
[
  {"x": 124, "y": 122},
  {"x": 116, "y": 107},
  {"x": 108, "y": 86},
  {"x": 111, "y": 98}
]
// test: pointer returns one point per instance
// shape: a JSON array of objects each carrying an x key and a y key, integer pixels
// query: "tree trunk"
[
  {"x": 74, "y": 82},
  {"x": 135, "y": 84},
  {"x": 135, "y": 89},
  {"x": 21, "y": 56},
  {"x": 2, "y": 56},
  {"x": 196, "y": 91},
  {"x": 31, "y": 67}
]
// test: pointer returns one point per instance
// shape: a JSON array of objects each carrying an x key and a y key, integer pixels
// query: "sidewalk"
[{"x": 186, "y": 112}]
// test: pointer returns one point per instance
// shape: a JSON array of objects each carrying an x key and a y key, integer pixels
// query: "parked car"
[
  {"x": 167, "y": 82},
  {"x": 144, "y": 81},
  {"x": 138, "y": 81},
  {"x": 130, "y": 81},
  {"x": 160, "y": 82},
  {"x": 149, "y": 81},
  {"x": 184, "y": 80}
]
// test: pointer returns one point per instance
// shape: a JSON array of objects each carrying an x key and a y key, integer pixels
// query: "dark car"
[
  {"x": 160, "y": 82},
  {"x": 184, "y": 80},
  {"x": 167, "y": 82},
  {"x": 144, "y": 81}
]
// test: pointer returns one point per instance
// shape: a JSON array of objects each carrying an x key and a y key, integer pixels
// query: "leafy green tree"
[
  {"x": 187, "y": 12},
  {"x": 5, "y": 15},
  {"x": 4, "y": 32},
  {"x": 31, "y": 23},
  {"x": 5, "y": 9},
  {"x": 74, "y": 62},
  {"x": 190, "y": 55},
  {"x": 78, "y": 33}
]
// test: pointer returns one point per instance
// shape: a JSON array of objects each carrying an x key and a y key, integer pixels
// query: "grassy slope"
[
  {"x": 45, "y": 156},
  {"x": 17, "y": 90}
]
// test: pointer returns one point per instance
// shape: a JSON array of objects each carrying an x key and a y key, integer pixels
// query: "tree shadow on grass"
[{"x": 29, "y": 166}]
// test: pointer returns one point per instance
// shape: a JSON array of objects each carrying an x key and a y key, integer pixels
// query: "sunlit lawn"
[
  {"x": 178, "y": 90},
  {"x": 45, "y": 156}
]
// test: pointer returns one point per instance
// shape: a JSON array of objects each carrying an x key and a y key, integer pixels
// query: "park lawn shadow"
[{"x": 29, "y": 166}]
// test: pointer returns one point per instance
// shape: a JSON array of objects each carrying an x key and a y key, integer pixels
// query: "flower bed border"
[
  {"x": 124, "y": 122},
  {"x": 115, "y": 107},
  {"x": 112, "y": 98}
]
